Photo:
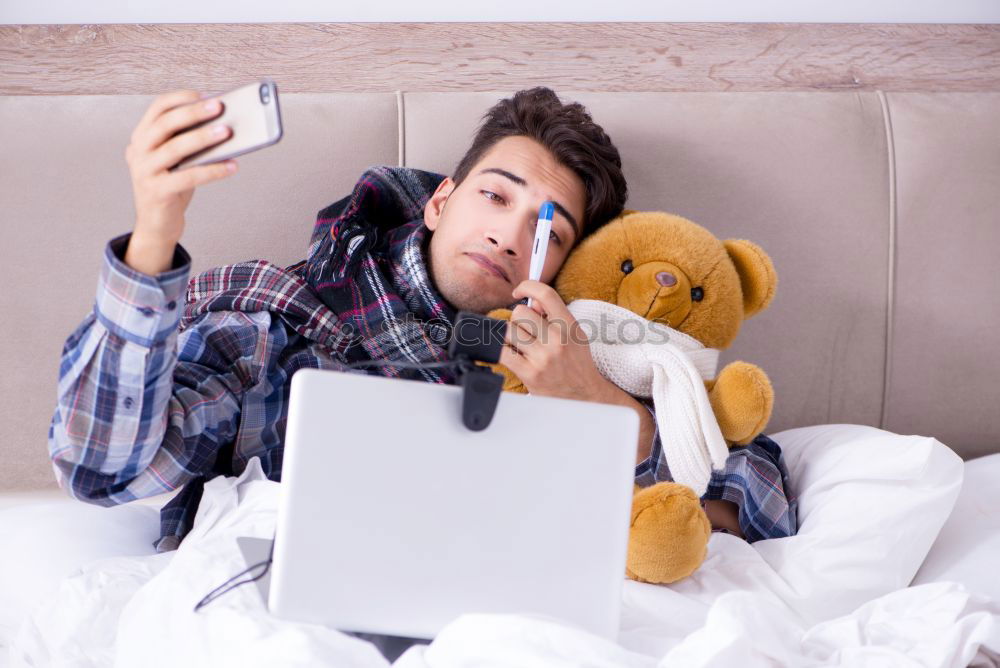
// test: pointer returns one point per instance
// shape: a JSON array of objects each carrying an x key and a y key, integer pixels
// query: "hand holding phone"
[
  {"x": 253, "y": 114},
  {"x": 157, "y": 142},
  {"x": 175, "y": 148}
]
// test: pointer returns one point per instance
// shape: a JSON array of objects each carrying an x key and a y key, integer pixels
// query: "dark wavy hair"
[{"x": 570, "y": 134}]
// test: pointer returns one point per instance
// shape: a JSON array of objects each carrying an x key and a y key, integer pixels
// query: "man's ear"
[{"x": 435, "y": 205}]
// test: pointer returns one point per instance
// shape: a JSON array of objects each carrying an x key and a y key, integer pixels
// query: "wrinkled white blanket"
[{"x": 133, "y": 611}]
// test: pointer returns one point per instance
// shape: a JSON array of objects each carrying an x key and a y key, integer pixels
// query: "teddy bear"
[{"x": 684, "y": 283}]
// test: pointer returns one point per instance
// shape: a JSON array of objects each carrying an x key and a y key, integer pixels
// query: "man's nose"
[{"x": 497, "y": 240}]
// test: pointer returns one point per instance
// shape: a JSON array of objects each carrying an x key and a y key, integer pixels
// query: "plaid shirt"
[
  {"x": 168, "y": 383},
  {"x": 755, "y": 478}
]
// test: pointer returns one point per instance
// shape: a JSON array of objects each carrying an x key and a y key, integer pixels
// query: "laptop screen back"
[{"x": 395, "y": 518}]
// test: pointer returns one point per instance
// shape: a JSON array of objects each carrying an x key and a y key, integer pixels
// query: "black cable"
[{"x": 223, "y": 588}]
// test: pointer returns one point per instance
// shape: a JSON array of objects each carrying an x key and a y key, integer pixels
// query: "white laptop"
[{"x": 394, "y": 518}]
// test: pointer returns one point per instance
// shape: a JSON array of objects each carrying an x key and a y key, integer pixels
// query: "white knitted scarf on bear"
[{"x": 649, "y": 359}]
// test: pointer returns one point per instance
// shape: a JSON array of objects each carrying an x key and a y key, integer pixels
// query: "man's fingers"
[
  {"x": 506, "y": 353},
  {"x": 514, "y": 361},
  {"x": 166, "y": 102},
  {"x": 544, "y": 298},
  {"x": 191, "y": 177},
  {"x": 524, "y": 327},
  {"x": 185, "y": 144}
]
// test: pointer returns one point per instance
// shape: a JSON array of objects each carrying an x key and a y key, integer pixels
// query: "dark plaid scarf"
[{"x": 363, "y": 290}]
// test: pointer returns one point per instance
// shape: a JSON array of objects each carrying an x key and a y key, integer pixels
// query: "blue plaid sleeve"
[
  {"x": 755, "y": 478},
  {"x": 646, "y": 470},
  {"x": 128, "y": 423}
]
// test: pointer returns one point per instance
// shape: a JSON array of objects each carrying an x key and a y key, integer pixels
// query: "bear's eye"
[
  {"x": 697, "y": 294},
  {"x": 627, "y": 266}
]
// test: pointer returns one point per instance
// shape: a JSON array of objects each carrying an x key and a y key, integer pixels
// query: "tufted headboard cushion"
[{"x": 881, "y": 213}]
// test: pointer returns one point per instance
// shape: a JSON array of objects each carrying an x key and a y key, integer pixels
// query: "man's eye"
[
  {"x": 488, "y": 193},
  {"x": 552, "y": 234}
]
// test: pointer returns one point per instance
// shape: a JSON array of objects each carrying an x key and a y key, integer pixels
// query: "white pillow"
[
  {"x": 870, "y": 504},
  {"x": 968, "y": 547},
  {"x": 45, "y": 542}
]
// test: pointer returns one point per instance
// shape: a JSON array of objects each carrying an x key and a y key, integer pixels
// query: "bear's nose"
[{"x": 666, "y": 279}]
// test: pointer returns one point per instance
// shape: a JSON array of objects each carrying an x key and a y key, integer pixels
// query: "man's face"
[{"x": 492, "y": 216}]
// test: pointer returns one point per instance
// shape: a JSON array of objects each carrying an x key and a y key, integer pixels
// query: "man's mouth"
[{"x": 492, "y": 266}]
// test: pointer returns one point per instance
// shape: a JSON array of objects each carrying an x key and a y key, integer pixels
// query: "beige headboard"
[{"x": 880, "y": 209}]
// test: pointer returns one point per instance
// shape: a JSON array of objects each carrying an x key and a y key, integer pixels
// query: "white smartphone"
[{"x": 254, "y": 116}]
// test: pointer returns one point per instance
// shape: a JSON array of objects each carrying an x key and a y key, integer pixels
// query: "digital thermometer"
[{"x": 541, "y": 243}]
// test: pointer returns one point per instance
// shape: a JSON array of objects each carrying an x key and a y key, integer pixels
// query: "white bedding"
[
  {"x": 748, "y": 604},
  {"x": 967, "y": 549}
]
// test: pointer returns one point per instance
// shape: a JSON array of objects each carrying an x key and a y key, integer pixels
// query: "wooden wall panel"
[{"x": 378, "y": 57}]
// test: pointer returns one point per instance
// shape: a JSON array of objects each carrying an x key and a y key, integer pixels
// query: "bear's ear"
[{"x": 758, "y": 278}]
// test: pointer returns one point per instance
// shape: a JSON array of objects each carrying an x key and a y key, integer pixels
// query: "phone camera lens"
[{"x": 265, "y": 94}]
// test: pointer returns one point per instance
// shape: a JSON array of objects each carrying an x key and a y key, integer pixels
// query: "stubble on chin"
[{"x": 463, "y": 292}]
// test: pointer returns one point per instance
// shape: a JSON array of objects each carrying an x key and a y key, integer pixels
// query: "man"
[{"x": 160, "y": 388}]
